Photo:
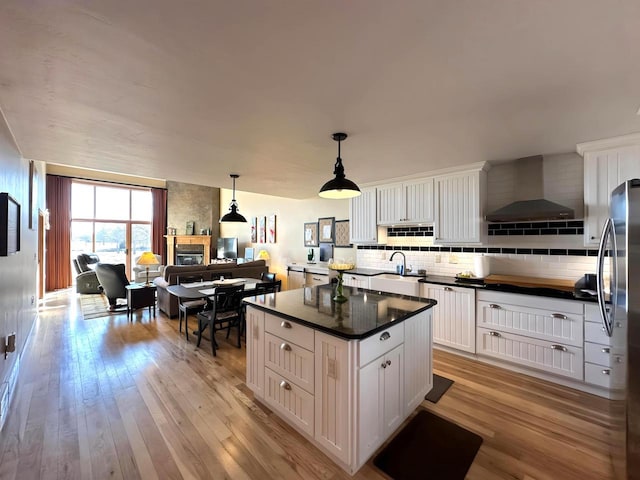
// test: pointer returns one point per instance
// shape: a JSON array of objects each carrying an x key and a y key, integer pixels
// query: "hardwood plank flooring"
[{"x": 111, "y": 398}]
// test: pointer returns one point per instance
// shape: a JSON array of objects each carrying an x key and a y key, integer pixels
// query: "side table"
[{"x": 140, "y": 295}]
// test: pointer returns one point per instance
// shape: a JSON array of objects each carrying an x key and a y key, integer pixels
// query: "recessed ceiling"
[{"x": 193, "y": 91}]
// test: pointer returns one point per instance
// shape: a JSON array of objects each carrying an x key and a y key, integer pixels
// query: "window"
[{"x": 113, "y": 221}]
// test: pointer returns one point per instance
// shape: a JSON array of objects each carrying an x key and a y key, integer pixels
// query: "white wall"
[{"x": 290, "y": 218}]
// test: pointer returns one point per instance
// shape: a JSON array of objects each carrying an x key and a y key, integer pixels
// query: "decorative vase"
[{"x": 339, "y": 297}]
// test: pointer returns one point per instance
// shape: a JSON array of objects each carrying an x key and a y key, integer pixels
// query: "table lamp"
[
  {"x": 146, "y": 259},
  {"x": 263, "y": 255}
]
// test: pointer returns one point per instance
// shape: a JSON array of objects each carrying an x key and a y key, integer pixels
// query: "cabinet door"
[
  {"x": 295, "y": 279},
  {"x": 381, "y": 408},
  {"x": 362, "y": 216},
  {"x": 454, "y": 317},
  {"x": 603, "y": 171},
  {"x": 459, "y": 209},
  {"x": 313, "y": 279},
  {"x": 391, "y": 204},
  {"x": 418, "y": 360},
  {"x": 333, "y": 392},
  {"x": 255, "y": 350},
  {"x": 419, "y": 201}
]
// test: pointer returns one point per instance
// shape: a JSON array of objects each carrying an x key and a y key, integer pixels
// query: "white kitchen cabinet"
[
  {"x": 459, "y": 207},
  {"x": 454, "y": 317},
  {"x": 362, "y": 217},
  {"x": 418, "y": 368},
  {"x": 295, "y": 278},
  {"x": 255, "y": 350},
  {"x": 604, "y": 356},
  {"x": 607, "y": 164},
  {"x": 381, "y": 405},
  {"x": 405, "y": 203},
  {"x": 515, "y": 328},
  {"x": 355, "y": 280}
]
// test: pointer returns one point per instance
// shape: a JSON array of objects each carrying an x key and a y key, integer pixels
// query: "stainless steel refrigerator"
[{"x": 620, "y": 244}]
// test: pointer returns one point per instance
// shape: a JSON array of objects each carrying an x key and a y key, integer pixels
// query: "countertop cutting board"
[{"x": 521, "y": 281}]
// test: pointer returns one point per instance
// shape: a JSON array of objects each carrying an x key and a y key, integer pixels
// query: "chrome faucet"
[{"x": 404, "y": 261}]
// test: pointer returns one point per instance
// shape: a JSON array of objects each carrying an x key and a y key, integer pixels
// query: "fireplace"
[
  {"x": 187, "y": 254},
  {"x": 188, "y": 249}
]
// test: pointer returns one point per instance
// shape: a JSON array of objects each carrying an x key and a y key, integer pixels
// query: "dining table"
[{"x": 205, "y": 289}]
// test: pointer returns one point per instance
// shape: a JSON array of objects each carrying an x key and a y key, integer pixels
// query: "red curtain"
[
  {"x": 58, "y": 237},
  {"x": 159, "y": 225}
]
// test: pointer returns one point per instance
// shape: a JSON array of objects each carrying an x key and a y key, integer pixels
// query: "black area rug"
[
  {"x": 440, "y": 385},
  {"x": 429, "y": 447}
]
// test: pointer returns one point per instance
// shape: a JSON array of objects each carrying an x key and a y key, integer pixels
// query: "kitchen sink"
[{"x": 393, "y": 283}]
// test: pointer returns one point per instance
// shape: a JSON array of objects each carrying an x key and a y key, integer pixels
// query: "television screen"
[{"x": 227, "y": 247}]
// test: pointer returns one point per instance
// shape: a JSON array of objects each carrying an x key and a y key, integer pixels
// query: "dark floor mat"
[
  {"x": 429, "y": 447},
  {"x": 440, "y": 385}
]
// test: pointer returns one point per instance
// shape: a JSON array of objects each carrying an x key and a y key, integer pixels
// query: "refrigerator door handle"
[{"x": 606, "y": 320}]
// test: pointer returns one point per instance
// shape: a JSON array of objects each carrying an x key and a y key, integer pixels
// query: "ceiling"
[{"x": 192, "y": 91}]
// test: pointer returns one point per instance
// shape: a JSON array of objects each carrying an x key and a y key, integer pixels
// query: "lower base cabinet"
[{"x": 362, "y": 390}]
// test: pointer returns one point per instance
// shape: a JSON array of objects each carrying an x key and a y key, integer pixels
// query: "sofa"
[{"x": 168, "y": 304}]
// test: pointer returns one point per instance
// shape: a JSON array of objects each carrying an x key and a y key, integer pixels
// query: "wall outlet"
[
  {"x": 453, "y": 258},
  {"x": 438, "y": 258}
]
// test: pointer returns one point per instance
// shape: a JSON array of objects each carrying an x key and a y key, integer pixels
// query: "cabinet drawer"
[
  {"x": 289, "y": 360},
  {"x": 602, "y": 354},
  {"x": 380, "y": 343},
  {"x": 550, "y": 357},
  {"x": 289, "y": 331},
  {"x": 551, "y": 325},
  {"x": 607, "y": 377},
  {"x": 294, "y": 403},
  {"x": 313, "y": 279},
  {"x": 594, "y": 330}
]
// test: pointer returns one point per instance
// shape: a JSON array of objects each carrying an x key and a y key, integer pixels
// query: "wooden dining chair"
[
  {"x": 224, "y": 313},
  {"x": 268, "y": 287},
  {"x": 185, "y": 307},
  {"x": 268, "y": 277}
]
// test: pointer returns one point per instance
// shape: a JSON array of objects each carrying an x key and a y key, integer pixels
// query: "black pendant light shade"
[
  {"x": 339, "y": 187},
  {"x": 233, "y": 215}
]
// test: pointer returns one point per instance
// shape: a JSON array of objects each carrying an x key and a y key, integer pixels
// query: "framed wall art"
[
  {"x": 262, "y": 230},
  {"x": 9, "y": 225},
  {"x": 342, "y": 233},
  {"x": 254, "y": 230},
  {"x": 271, "y": 229},
  {"x": 325, "y": 229},
  {"x": 190, "y": 228},
  {"x": 311, "y": 234}
]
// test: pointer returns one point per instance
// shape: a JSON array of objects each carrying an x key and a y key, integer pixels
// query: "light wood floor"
[{"x": 108, "y": 398}]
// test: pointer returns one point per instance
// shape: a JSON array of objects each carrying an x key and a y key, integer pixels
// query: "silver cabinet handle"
[
  {"x": 495, "y": 334},
  {"x": 388, "y": 362},
  {"x": 385, "y": 336},
  {"x": 316, "y": 279},
  {"x": 606, "y": 371},
  {"x": 286, "y": 347},
  {"x": 448, "y": 289},
  {"x": 285, "y": 324},
  {"x": 493, "y": 305},
  {"x": 606, "y": 350},
  {"x": 559, "y": 315},
  {"x": 559, "y": 347},
  {"x": 285, "y": 385},
  {"x": 383, "y": 365},
  {"x": 618, "y": 359}
]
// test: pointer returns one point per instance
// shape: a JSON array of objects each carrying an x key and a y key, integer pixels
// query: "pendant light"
[
  {"x": 339, "y": 187},
  {"x": 233, "y": 215}
]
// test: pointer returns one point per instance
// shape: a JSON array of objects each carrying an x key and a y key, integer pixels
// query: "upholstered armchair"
[
  {"x": 140, "y": 271},
  {"x": 86, "y": 280},
  {"x": 113, "y": 282}
]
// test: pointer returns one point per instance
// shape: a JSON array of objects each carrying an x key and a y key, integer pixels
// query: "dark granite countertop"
[{"x": 363, "y": 314}]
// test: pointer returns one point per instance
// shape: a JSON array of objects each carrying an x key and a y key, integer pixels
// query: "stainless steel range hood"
[{"x": 530, "y": 205}]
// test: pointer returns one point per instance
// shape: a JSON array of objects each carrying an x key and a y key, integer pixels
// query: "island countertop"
[{"x": 364, "y": 313}]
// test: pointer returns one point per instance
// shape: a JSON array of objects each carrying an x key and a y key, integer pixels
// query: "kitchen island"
[{"x": 345, "y": 375}]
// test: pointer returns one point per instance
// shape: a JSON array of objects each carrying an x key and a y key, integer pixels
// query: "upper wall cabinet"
[
  {"x": 406, "y": 203},
  {"x": 362, "y": 216},
  {"x": 459, "y": 207},
  {"x": 607, "y": 163}
]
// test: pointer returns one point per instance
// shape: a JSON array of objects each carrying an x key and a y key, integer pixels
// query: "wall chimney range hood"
[
  {"x": 528, "y": 210},
  {"x": 529, "y": 191}
]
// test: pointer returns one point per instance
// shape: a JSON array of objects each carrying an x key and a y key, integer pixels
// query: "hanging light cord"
[{"x": 338, "y": 169}]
